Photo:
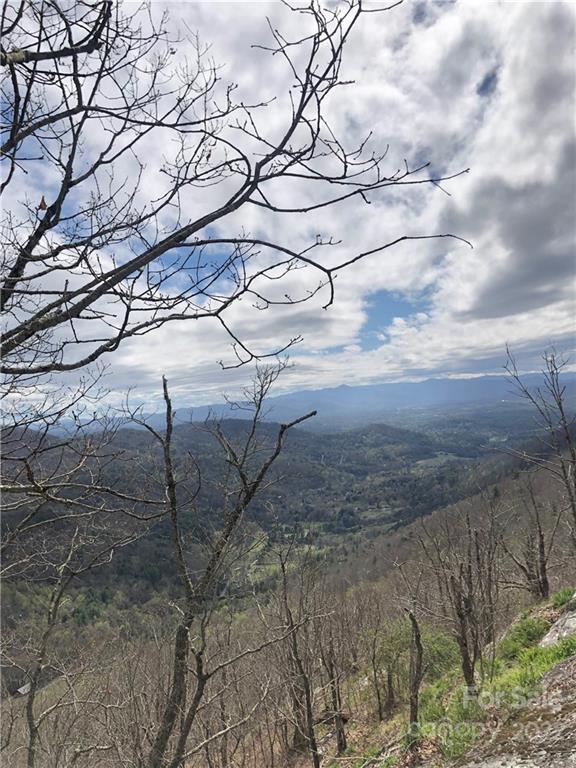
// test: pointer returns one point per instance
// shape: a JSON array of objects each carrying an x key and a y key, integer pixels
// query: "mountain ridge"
[{"x": 347, "y": 406}]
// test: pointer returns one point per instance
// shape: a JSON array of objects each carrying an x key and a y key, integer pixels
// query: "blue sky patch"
[
  {"x": 488, "y": 85},
  {"x": 382, "y": 308}
]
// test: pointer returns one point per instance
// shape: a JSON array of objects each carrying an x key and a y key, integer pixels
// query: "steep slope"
[
  {"x": 525, "y": 718},
  {"x": 541, "y": 734}
]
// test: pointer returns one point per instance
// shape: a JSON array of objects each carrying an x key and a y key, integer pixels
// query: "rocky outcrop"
[
  {"x": 565, "y": 626},
  {"x": 541, "y": 735}
]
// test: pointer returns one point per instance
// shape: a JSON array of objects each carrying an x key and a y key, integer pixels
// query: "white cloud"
[{"x": 418, "y": 71}]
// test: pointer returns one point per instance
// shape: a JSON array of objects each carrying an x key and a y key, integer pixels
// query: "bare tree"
[
  {"x": 386, "y": 640},
  {"x": 77, "y": 523},
  {"x": 463, "y": 560},
  {"x": 332, "y": 633},
  {"x": 300, "y": 674},
  {"x": 64, "y": 516},
  {"x": 530, "y": 548},
  {"x": 554, "y": 412},
  {"x": 88, "y": 260},
  {"x": 42, "y": 718},
  {"x": 177, "y": 714}
]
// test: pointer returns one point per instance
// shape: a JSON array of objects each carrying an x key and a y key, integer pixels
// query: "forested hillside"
[
  {"x": 334, "y": 621},
  {"x": 339, "y": 610},
  {"x": 331, "y": 490}
]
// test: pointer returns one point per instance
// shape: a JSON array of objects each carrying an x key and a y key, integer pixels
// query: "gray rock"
[{"x": 565, "y": 626}]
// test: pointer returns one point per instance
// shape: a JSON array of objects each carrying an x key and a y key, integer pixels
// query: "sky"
[{"x": 488, "y": 86}]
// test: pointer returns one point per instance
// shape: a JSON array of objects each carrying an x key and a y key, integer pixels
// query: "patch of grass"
[
  {"x": 562, "y": 597},
  {"x": 449, "y": 717},
  {"x": 441, "y": 653},
  {"x": 432, "y": 706},
  {"x": 524, "y": 634},
  {"x": 517, "y": 684},
  {"x": 371, "y": 752}
]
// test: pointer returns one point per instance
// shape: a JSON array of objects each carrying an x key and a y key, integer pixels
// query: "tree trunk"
[
  {"x": 176, "y": 697},
  {"x": 336, "y": 702},
  {"x": 416, "y": 675},
  {"x": 377, "y": 689},
  {"x": 390, "y": 694}
]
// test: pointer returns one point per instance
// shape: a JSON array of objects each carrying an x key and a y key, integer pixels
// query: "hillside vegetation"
[{"x": 241, "y": 594}]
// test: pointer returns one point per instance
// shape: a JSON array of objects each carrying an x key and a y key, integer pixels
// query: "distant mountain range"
[{"x": 346, "y": 406}]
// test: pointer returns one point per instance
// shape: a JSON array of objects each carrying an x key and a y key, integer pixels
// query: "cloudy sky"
[{"x": 482, "y": 85}]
